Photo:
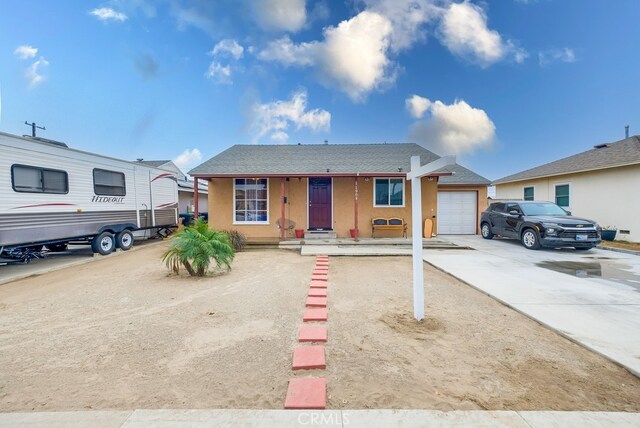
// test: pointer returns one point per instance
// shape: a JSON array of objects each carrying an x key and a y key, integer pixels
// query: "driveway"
[
  {"x": 75, "y": 255},
  {"x": 590, "y": 297}
]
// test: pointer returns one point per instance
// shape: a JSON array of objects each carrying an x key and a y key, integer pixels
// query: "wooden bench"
[{"x": 393, "y": 223}]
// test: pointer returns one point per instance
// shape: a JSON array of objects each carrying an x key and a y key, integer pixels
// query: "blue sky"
[{"x": 505, "y": 85}]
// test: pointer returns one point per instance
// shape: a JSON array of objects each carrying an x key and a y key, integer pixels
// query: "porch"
[{"x": 350, "y": 247}]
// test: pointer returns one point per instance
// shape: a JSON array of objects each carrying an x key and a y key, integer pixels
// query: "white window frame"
[
  {"x": 529, "y": 187},
  {"x": 249, "y": 223},
  {"x": 404, "y": 191},
  {"x": 555, "y": 195}
]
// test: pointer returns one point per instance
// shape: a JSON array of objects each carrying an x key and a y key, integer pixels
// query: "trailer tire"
[
  {"x": 103, "y": 243},
  {"x": 124, "y": 240}
]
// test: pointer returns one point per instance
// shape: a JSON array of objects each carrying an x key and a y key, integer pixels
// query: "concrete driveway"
[{"x": 590, "y": 297}]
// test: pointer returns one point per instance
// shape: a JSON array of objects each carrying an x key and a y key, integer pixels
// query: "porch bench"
[{"x": 392, "y": 223}]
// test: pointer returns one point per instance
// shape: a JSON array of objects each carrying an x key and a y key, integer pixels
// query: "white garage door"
[{"x": 457, "y": 213}]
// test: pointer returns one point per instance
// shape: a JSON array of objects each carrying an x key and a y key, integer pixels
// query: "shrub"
[
  {"x": 238, "y": 239},
  {"x": 194, "y": 247}
]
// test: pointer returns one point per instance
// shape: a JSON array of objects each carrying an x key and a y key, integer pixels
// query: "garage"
[{"x": 457, "y": 212}]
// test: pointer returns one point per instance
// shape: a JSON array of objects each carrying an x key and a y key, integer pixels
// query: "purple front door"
[{"x": 320, "y": 204}]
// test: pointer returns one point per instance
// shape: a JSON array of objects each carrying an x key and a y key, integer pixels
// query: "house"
[
  {"x": 600, "y": 184},
  {"x": 185, "y": 185},
  {"x": 334, "y": 187}
]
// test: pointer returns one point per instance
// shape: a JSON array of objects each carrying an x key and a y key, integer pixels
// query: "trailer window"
[
  {"x": 108, "y": 183},
  {"x": 33, "y": 179}
]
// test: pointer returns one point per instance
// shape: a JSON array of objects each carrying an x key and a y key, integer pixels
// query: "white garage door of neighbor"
[{"x": 457, "y": 213}]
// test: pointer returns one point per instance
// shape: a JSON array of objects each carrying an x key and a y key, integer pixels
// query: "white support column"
[
  {"x": 416, "y": 235},
  {"x": 415, "y": 175}
]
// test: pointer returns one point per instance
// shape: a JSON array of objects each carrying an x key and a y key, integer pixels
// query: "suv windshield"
[{"x": 543, "y": 208}]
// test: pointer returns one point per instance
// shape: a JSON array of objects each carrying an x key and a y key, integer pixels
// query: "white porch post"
[
  {"x": 415, "y": 175},
  {"x": 416, "y": 235}
]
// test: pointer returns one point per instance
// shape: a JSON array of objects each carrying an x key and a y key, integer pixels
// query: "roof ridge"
[{"x": 328, "y": 144}]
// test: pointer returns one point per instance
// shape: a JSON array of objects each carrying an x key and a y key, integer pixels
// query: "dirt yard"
[{"x": 121, "y": 333}]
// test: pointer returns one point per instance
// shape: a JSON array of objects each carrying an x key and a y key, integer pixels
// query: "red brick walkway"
[{"x": 311, "y": 392}]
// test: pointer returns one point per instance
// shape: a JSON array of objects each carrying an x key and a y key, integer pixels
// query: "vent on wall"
[{"x": 625, "y": 232}]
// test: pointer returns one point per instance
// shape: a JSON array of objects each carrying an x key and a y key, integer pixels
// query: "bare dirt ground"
[{"x": 121, "y": 333}]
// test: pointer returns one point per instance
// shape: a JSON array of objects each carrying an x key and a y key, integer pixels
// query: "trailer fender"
[{"x": 115, "y": 228}]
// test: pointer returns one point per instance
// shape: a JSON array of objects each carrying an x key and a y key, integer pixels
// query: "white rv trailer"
[{"x": 51, "y": 194}]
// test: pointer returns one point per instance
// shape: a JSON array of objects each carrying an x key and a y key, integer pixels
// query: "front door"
[{"x": 320, "y": 204}]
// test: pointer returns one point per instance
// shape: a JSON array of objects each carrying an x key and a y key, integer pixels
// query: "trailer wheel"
[
  {"x": 124, "y": 240},
  {"x": 103, "y": 244}
]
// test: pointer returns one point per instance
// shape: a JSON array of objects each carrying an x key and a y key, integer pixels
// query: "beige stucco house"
[
  {"x": 601, "y": 184},
  {"x": 334, "y": 188}
]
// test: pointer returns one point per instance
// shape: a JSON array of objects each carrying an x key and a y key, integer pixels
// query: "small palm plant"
[{"x": 194, "y": 247}]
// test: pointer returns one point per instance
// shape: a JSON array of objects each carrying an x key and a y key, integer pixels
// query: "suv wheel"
[
  {"x": 485, "y": 230},
  {"x": 530, "y": 239}
]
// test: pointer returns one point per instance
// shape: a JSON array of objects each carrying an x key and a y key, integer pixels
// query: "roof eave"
[
  {"x": 537, "y": 177},
  {"x": 350, "y": 174}
]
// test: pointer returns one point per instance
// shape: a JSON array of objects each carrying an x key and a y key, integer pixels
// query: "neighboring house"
[
  {"x": 335, "y": 187},
  {"x": 185, "y": 185},
  {"x": 601, "y": 184}
]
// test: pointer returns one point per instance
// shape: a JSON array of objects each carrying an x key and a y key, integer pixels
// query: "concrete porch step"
[{"x": 320, "y": 234}]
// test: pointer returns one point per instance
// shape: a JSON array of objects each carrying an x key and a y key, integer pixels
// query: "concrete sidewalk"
[
  {"x": 301, "y": 418},
  {"x": 600, "y": 313}
]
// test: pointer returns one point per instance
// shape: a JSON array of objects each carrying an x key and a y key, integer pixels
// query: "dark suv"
[{"x": 538, "y": 224}]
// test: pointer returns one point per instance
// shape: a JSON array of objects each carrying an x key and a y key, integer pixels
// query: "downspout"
[{"x": 195, "y": 198}]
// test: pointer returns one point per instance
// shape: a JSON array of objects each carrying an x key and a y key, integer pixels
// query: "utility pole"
[{"x": 33, "y": 127}]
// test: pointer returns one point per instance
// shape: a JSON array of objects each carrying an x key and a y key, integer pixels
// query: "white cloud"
[
  {"x": 196, "y": 16},
  {"x": 454, "y": 128},
  {"x": 407, "y": 17},
  {"x": 188, "y": 159},
  {"x": 107, "y": 14},
  {"x": 464, "y": 31},
  {"x": 25, "y": 51},
  {"x": 279, "y": 137},
  {"x": 352, "y": 56},
  {"x": 34, "y": 72},
  {"x": 228, "y": 47},
  {"x": 275, "y": 118},
  {"x": 219, "y": 73},
  {"x": 551, "y": 56},
  {"x": 287, "y": 53},
  {"x": 417, "y": 105},
  {"x": 280, "y": 15}
]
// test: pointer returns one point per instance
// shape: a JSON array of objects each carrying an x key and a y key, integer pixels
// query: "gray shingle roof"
[
  {"x": 462, "y": 175},
  {"x": 312, "y": 159},
  {"x": 620, "y": 153}
]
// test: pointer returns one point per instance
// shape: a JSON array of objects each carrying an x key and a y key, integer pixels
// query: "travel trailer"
[{"x": 51, "y": 195}]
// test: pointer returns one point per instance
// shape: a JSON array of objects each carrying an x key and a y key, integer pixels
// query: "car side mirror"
[
  {"x": 514, "y": 212},
  {"x": 568, "y": 212}
]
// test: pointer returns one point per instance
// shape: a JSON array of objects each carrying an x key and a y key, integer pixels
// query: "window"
[
  {"x": 497, "y": 207},
  {"x": 562, "y": 195},
  {"x": 108, "y": 183},
  {"x": 32, "y": 179},
  {"x": 528, "y": 193},
  {"x": 251, "y": 200},
  {"x": 389, "y": 192},
  {"x": 513, "y": 207}
]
